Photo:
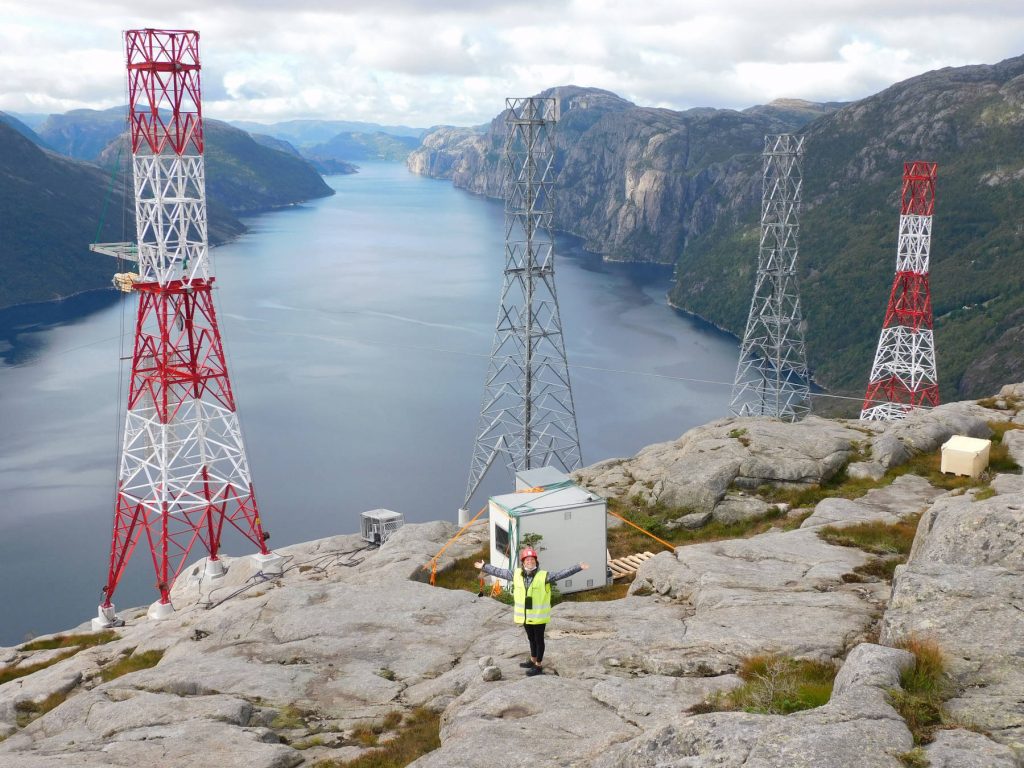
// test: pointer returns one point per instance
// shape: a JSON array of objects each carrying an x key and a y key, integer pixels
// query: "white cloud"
[{"x": 455, "y": 61}]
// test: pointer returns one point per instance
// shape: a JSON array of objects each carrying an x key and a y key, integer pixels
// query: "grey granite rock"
[
  {"x": 691, "y": 521},
  {"x": 958, "y": 748},
  {"x": 856, "y": 728},
  {"x": 963, "y": 587},
  {"x": 736, "y": 507},
  {"x": 906, "y": 495}
]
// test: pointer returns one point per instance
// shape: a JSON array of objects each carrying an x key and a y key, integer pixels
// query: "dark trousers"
[{"x": 535, "y": 632}]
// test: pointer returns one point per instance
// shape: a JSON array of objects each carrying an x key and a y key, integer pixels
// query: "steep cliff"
[
  {"x": 634, "y": 182},
  {"x": 684, "y": 188}
]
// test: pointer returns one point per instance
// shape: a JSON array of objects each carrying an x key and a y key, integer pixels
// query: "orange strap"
[
  {"x": 432, "y": 564},
  {"x": 670, "y": 546}
]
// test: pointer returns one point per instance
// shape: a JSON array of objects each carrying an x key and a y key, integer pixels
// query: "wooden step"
[{"x": 625, "y": 566}]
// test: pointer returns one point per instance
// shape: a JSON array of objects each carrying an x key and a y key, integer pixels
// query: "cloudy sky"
[{"x": 424, "y": 62}]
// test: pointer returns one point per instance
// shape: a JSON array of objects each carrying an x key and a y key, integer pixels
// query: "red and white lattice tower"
[
  {"x": 183, "y": 474},
  {"x": 904, "y": 375}
]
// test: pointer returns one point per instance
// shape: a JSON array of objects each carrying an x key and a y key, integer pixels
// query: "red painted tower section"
[
  {"x": 904, "y": 375},
  {"x": 183, "y": 476}
]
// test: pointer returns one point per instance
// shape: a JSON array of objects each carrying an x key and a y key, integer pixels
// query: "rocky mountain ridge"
[
  {"x": 295, "y": 668},
  {"x": 634, "y": 182},
  {"x": 684, "y": 188}
]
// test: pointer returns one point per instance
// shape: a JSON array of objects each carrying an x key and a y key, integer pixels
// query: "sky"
[{"x": 427, "y": 62}]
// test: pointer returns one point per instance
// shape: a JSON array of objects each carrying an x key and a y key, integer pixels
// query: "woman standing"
[{"x": 531, "y": 595}]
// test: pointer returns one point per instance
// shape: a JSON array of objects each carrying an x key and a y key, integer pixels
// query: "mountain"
[
  {"x": 83, "y": 133},
  {"x": 634, "y": 182},
  {"x": 304, "y": 133},
  {"x": 23, "y": 129},
  {"x": 52, "y": 205},
  {"x": 684, "y": 188},
  {"x": 970, "y": 121},
  {"x": 51, "y": 208},
  {"x": 362, "y": 146},
  {"x": 274, "y": 143}
]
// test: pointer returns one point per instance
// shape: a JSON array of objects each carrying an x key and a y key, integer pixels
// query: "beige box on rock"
[{"x": 964, "y": 455}]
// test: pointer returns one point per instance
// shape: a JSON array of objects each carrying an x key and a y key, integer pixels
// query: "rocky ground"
[{"x": 273, "y": 673}]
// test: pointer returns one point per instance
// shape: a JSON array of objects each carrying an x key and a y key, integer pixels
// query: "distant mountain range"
[
  {"x": 306, "y": 133},
  {"x": 331, "y": 145},
  {"x": 54, "y": 206},
  {"x": 684, "y": 188}
]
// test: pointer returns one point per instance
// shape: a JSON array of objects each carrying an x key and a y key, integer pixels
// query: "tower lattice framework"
[
  {"x": 904, "y": 375},
  {"x": 772, "y": 378},
  {"x": 183, "y": 473},
  {"x": 527, "y": 414}
]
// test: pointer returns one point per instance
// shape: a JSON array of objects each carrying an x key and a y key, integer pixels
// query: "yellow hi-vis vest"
[{"x": 539, "y": 593}]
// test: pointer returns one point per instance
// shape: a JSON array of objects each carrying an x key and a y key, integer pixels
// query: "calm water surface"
[{"x": 357, "y": 329}]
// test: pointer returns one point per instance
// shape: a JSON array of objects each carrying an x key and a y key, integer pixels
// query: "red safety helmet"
[{"x": 528, "y": 552}]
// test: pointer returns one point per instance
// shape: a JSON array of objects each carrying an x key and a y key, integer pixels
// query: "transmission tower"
[
  {"x": 527, "y": 413},
  {"x": 904, "y": 376},
  {"x": 183, "y": 471},
  {"x": 772, "y": 378}
]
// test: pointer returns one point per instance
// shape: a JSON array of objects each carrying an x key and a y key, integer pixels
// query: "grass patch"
[
  {"x": 985, "y": 493},
  {"x": 776, "y": 685},
  {"x": 289, "y": 718},
  {"x": 461, "y": 574},
  {"x": 418, "y": 734},
  {"x": 131, "y": 663},
  {"x": 625, "y": 540},
  {"x": 925, "y": 687},
  {"x": 839, "y": 485},
  {"x": 880, "y": 567},
  {"x": 27, "y": 711},
  {"x": 615, "y": 591},
  {"x": 876, "y": 537},
  {"x": 13, "y": 673},
  {"x": 999, "y": 459},
  {"x": 915, "y": 758},
  {"x": 87, "y": 640}
]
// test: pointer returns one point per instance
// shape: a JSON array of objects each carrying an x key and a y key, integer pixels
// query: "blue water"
[{"x": 357, "y": 329}]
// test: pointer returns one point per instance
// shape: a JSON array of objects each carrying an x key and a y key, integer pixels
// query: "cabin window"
[{"x": 501, "y": 539}]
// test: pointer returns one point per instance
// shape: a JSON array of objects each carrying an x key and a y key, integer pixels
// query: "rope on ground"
[
  {"x": 648, "y": 533},
  {"x": 432, "y": 563}
]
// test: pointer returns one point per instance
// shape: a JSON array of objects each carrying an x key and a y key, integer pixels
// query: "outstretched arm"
[
  {"x": 490, "y": 570},
  {"x": 566, "y": 572}
]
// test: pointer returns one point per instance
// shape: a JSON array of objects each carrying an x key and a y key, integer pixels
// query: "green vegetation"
[
  {"x": 776, "y": 685},
  {"x": 417, "y": 734},
  {"x": 13, "y": 673},
  {"x": 27, "y": 711},
  {"x": 626, "y": 540},
  {"x": 741, "y": 435},
  {"x": 87, "y": 640},
  {"x": 915, "y": 758},
  {"x": 73, "y": 644},
  {"x": 880, "y": 567},
  {"x": 839, "y": 485},
  {"x": 131, "y": 663},
  {"x": 848, "y": 230},
  {"x": 875, "y": 536},
  {"x": 289, "y": 717},
  {"x": 925, "y": 687}
]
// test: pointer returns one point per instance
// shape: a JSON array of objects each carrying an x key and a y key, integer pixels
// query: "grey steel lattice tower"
[
  {"x": 527, "y": 413},
  {"x": 772, "y": 377}
]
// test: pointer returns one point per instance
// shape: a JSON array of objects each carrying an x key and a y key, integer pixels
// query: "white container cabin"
[{"x": 571, "y": 521}]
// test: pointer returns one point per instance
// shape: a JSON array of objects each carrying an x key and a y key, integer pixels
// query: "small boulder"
[{"x": 491, "y": 673}]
